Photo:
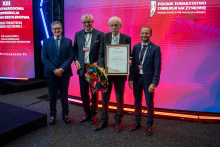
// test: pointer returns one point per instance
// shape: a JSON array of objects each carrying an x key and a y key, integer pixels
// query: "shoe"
[
  {"x": 84, "y": 119},
  {"x": 100, "y": 126},
  {"x": 135, "y": 127},
  {"x": 66, "y": 119},
  {"x": 149, "y": 130},
  {"x": 52, "y": 120},
  {"x": 93, "y": 120},
  {"x": 118, "y": 127}
]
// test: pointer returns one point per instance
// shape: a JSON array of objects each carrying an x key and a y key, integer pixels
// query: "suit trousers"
[
  {"x": 119, "y": 85},
  {"x": 62, "y": 84},
  {"x": 84, "y": 91},
  {"x": 138, "y": 86}
]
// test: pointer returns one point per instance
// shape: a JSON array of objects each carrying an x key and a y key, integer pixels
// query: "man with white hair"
[
  {"x": 86, "y": 50},
  {"x": 114, "y": 37}
]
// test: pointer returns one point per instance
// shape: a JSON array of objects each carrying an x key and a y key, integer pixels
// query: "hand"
[
  {"x": 78, "y": 66},
  {"x": 151, "y": 88},
  {"x": 130, "y": 61},
  {"x": 95, "y": 63},
  {"x": 58, "y": 72},
  {"x": 102, "y": 69},
  {"x": 130, "y": 84}
]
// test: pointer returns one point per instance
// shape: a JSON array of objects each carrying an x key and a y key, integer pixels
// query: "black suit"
[
  {"x": 79, "y": 43},
  {"x": 151, "y": 75},
  {"x": 119, "y": 81}
]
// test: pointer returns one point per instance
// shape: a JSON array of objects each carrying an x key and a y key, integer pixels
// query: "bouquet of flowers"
[{"x": 96, "y": 78}]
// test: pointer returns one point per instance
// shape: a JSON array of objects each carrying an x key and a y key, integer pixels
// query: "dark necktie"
[
  {"x": 89, "y": 32},
  {"x": 57, "y": 46},
  {"x": 142, "y": 54}
]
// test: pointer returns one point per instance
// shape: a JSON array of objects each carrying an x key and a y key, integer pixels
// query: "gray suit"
[
  {"x": 79, "y": 54},
  {"x": 119, "y": 81}
]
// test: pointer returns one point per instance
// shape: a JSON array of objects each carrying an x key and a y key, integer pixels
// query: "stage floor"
[{"x": 167, "y": 132}]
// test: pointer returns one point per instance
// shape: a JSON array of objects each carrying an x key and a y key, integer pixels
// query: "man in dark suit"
[
  {"x": 86, "y": 50},
  {"x": 145, "y": 75},
  {"x": 57, "y": 56},
  {"x": 114, "y": 37}
]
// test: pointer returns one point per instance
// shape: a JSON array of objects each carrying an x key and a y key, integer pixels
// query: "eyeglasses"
[
  {"x": 84, "y": 22},
  {"x": 54, "y": 29},
  {"x": 116, "y": 25}
]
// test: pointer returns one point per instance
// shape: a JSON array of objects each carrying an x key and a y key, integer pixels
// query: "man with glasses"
[
  {"x": 86, "y": 50},
  {"x": 57, "y": 57},
  {"x": 114, "y": 37}
]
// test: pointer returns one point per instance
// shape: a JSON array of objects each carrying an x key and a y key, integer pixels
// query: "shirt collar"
[
  {"x": 56, "y": 37},
  {"x": 117, "y": 36},
  {"x": 89, "y": 30},
  {"x": 145, "y": 44}
]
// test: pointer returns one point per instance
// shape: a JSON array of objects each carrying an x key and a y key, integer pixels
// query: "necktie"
[
  {"x": 142, "y": 54},
  {"x": 114, "y": 40},
  {"x": 89, "y": 32},
  {"x": 57, "y": 46}
]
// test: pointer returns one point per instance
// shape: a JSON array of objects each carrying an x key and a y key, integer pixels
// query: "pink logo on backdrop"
[{"x": 153, "y": 6}]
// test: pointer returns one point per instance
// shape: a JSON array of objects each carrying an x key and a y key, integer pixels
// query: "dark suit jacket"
[
  {"x": 52, "y": 61},
  {"x": 151, "y": 65},
  {"x": 106, "y": 39},
  {"x": 79, "y": 43}
]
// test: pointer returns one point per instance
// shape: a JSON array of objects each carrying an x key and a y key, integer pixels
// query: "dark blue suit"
[
  {"x": 79, "y": 54},
  {"x": 151, "y": 75},
  {"x": 53, "y": 61}
]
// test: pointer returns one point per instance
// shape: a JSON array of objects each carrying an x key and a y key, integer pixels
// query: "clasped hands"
[{"x": 58, "y": 72}]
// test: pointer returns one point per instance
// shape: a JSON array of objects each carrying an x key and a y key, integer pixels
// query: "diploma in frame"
[{"x": 116, "y": 60}]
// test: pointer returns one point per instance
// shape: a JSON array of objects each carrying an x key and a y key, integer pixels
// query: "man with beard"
[{"x": 145, "y": 75}]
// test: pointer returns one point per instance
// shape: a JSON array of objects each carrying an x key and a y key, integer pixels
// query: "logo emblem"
[{"x": 153, "y": 7}]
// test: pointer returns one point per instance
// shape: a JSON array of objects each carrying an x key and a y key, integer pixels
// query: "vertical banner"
[{"x": 16, "y": 39}]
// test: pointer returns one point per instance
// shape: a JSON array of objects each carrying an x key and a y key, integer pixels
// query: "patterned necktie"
[
  {"x": 142, "y": 54},
  {"x": 114, "y": 40},
  {"x": 57, "y": 46}
]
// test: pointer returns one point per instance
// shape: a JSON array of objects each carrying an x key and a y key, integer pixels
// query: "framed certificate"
[{"x": 116, "y": 60}]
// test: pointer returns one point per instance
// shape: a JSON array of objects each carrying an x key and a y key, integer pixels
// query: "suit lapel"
[
  {"x": 53, "y": 45},
  {"x": 109, "y": 38},
  {"x": 138, "y": 49},
  {"x": 121, "y": 39},
  {"x": 94, "y": 36},
  {"x": 61, "y": 44},
  {"x": 148, "y": 51}
]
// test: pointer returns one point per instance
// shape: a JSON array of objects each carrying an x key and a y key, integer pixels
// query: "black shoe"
[
  {"x": 100, "y": 126},
  {"x": 135, "y": 127},
  {"x": 149, "y": 130},
  {"x": 52, "y": 120},
  {"x": 118, "y": 127},
  {"x": 84, "y": 119},
  {"x": 66, "y": 119},
  {"x": 93, "y": 120}
]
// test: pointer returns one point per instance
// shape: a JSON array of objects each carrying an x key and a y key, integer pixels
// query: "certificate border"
[{"x": 107, "y": 53}]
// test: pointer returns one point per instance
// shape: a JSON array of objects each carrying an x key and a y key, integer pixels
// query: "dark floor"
[{"x": 167, "y": 133}]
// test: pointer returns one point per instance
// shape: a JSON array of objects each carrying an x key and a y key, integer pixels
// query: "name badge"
[
  {"x": 140, "y": 66},
  {"x": 85, "y": 49}
]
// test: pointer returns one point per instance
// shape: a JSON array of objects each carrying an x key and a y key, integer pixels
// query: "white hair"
[
  {"x": 85, "y": 16},
  {"x": 114, "y": 17}
]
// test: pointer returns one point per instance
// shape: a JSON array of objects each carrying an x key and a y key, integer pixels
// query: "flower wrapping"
[{"x": 96, "y": 78}]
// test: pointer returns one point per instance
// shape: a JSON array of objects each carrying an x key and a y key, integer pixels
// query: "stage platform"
[
  {"x": 13, "y": 86},
  {"x": 16, "y": 122}
]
